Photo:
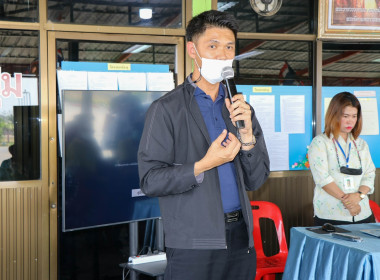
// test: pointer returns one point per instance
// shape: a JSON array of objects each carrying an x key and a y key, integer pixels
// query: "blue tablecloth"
[{"x": 323, "y": 257}]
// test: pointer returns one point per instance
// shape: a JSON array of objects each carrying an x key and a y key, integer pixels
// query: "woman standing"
[{"x": 341, "y": 165}]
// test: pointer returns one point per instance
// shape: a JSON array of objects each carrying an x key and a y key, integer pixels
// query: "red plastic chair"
[
  {"x": 267, "y": 267},
  {"x": 375, "y": 210}
]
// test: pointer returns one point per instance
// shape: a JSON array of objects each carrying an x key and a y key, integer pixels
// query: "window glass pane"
[
  {"x": 293, "y": 16},
  {"x": 26, "y": 11},
  {"x": 260, "y": 62},
  {"x": 351, "y": 64},
  {"x": 19, "y": 106},
  {"x": 117, "y": 52},
  {"x": 153, "y": 13}
]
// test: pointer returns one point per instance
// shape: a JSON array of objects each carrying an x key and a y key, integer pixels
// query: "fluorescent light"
[
  {"x": 137, "y": 48},
  {"x": 248, "y": 54},
  {"x": 222, "y": 6},
  {"x": 145, "y": 13}
]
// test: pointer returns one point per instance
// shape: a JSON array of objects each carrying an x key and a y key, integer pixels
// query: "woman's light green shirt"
[{"x": 325, "y": 169}]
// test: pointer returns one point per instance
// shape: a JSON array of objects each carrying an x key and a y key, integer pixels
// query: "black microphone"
[{"x": 228, "y": 76}]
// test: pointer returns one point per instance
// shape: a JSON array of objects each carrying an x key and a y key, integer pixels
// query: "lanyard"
[{"x": 344, "y": 154}]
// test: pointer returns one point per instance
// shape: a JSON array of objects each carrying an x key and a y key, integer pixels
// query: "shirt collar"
[
  {"x": 189, "y": 79},
  {"x": 221, "y": 93},
  {"x": 341, "y": 140}
]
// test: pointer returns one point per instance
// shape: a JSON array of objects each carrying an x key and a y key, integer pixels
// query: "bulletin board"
[
  {"x": 368, "y": 97},
  {"x": 297, "y": 142}
]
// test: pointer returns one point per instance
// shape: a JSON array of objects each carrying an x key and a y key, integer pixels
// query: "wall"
[{"x": 20, "y": 238}]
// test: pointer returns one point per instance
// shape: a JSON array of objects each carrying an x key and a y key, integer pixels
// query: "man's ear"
[{"x": 191, "y": 50}]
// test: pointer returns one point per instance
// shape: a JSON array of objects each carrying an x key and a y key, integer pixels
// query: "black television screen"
[{"x": 101, "y": 133}]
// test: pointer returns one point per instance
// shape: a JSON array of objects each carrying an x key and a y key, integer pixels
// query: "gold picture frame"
[{"x": 349, "y": 19}]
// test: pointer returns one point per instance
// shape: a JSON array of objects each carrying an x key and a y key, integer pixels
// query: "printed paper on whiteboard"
[
  {"x": 131, "y": 81},
  {"x": 278, "y": 149},
  {"x": 370, "y": 116},
  {"x": 160, "y": 81},
  {"x": 264, "y": 106},
  {"x": 102, "y": 81},
  {"x": 292, "y": 113}
]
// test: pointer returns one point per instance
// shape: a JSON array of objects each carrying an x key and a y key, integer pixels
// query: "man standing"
[{"x": 200, "y": 165}]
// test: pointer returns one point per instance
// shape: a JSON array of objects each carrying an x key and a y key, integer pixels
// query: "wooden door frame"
[{"x": 52, "y": 38}]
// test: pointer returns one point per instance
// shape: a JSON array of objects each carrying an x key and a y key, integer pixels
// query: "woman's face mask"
[{"x": 212, "y": 68}]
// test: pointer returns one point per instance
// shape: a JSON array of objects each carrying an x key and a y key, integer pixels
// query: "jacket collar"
[{"x": 194, "y": 110}]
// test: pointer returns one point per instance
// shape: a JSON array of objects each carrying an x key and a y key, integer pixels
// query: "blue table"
[{"x": 314, "y": 256}]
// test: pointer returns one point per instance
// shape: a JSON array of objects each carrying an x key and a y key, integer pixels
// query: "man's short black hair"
[{"x": 212, "y": 18}]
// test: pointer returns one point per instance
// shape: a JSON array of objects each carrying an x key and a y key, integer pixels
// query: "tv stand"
[{"x": 155, "y": 269}]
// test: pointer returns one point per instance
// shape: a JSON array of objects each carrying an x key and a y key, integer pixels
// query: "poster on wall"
[
  {"x": 354, "y": 14},
  {"x": 356, "y": 18}
]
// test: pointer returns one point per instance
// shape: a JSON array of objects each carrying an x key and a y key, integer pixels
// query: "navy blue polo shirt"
[{"x": 212, "y": 116}]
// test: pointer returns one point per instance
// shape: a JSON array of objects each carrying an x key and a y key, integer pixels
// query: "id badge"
[{"x": 349, "y": 184}]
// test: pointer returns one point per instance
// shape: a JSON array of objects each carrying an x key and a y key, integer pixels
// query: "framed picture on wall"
[{"x": 349, "y": 19}]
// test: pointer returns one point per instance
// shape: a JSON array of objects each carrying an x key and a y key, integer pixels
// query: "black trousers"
[
  {"x": 320, "y": 222},
  {"x": 237, "y": 262}
]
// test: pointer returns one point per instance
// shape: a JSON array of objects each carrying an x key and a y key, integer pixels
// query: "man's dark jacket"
[{"x": 175, "y": 136}]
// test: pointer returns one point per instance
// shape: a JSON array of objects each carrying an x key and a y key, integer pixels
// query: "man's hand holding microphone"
[{"x": 240, "y": 111}]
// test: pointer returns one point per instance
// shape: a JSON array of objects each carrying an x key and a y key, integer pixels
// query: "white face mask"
[{"x": 212, "y": 68}]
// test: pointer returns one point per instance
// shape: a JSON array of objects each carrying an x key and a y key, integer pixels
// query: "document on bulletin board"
[
  {"x": 131, "y": 81},
  {"x": 160, "y": 81},
  {"x": 73, "y": 80},
  {"x": 265, "y": 111},
  {"x": 102, "y": 81},
  {"x": 278, "y": 149},
  {"x": 292, "y": 113},
  {"x": 370, "y": 116}
]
